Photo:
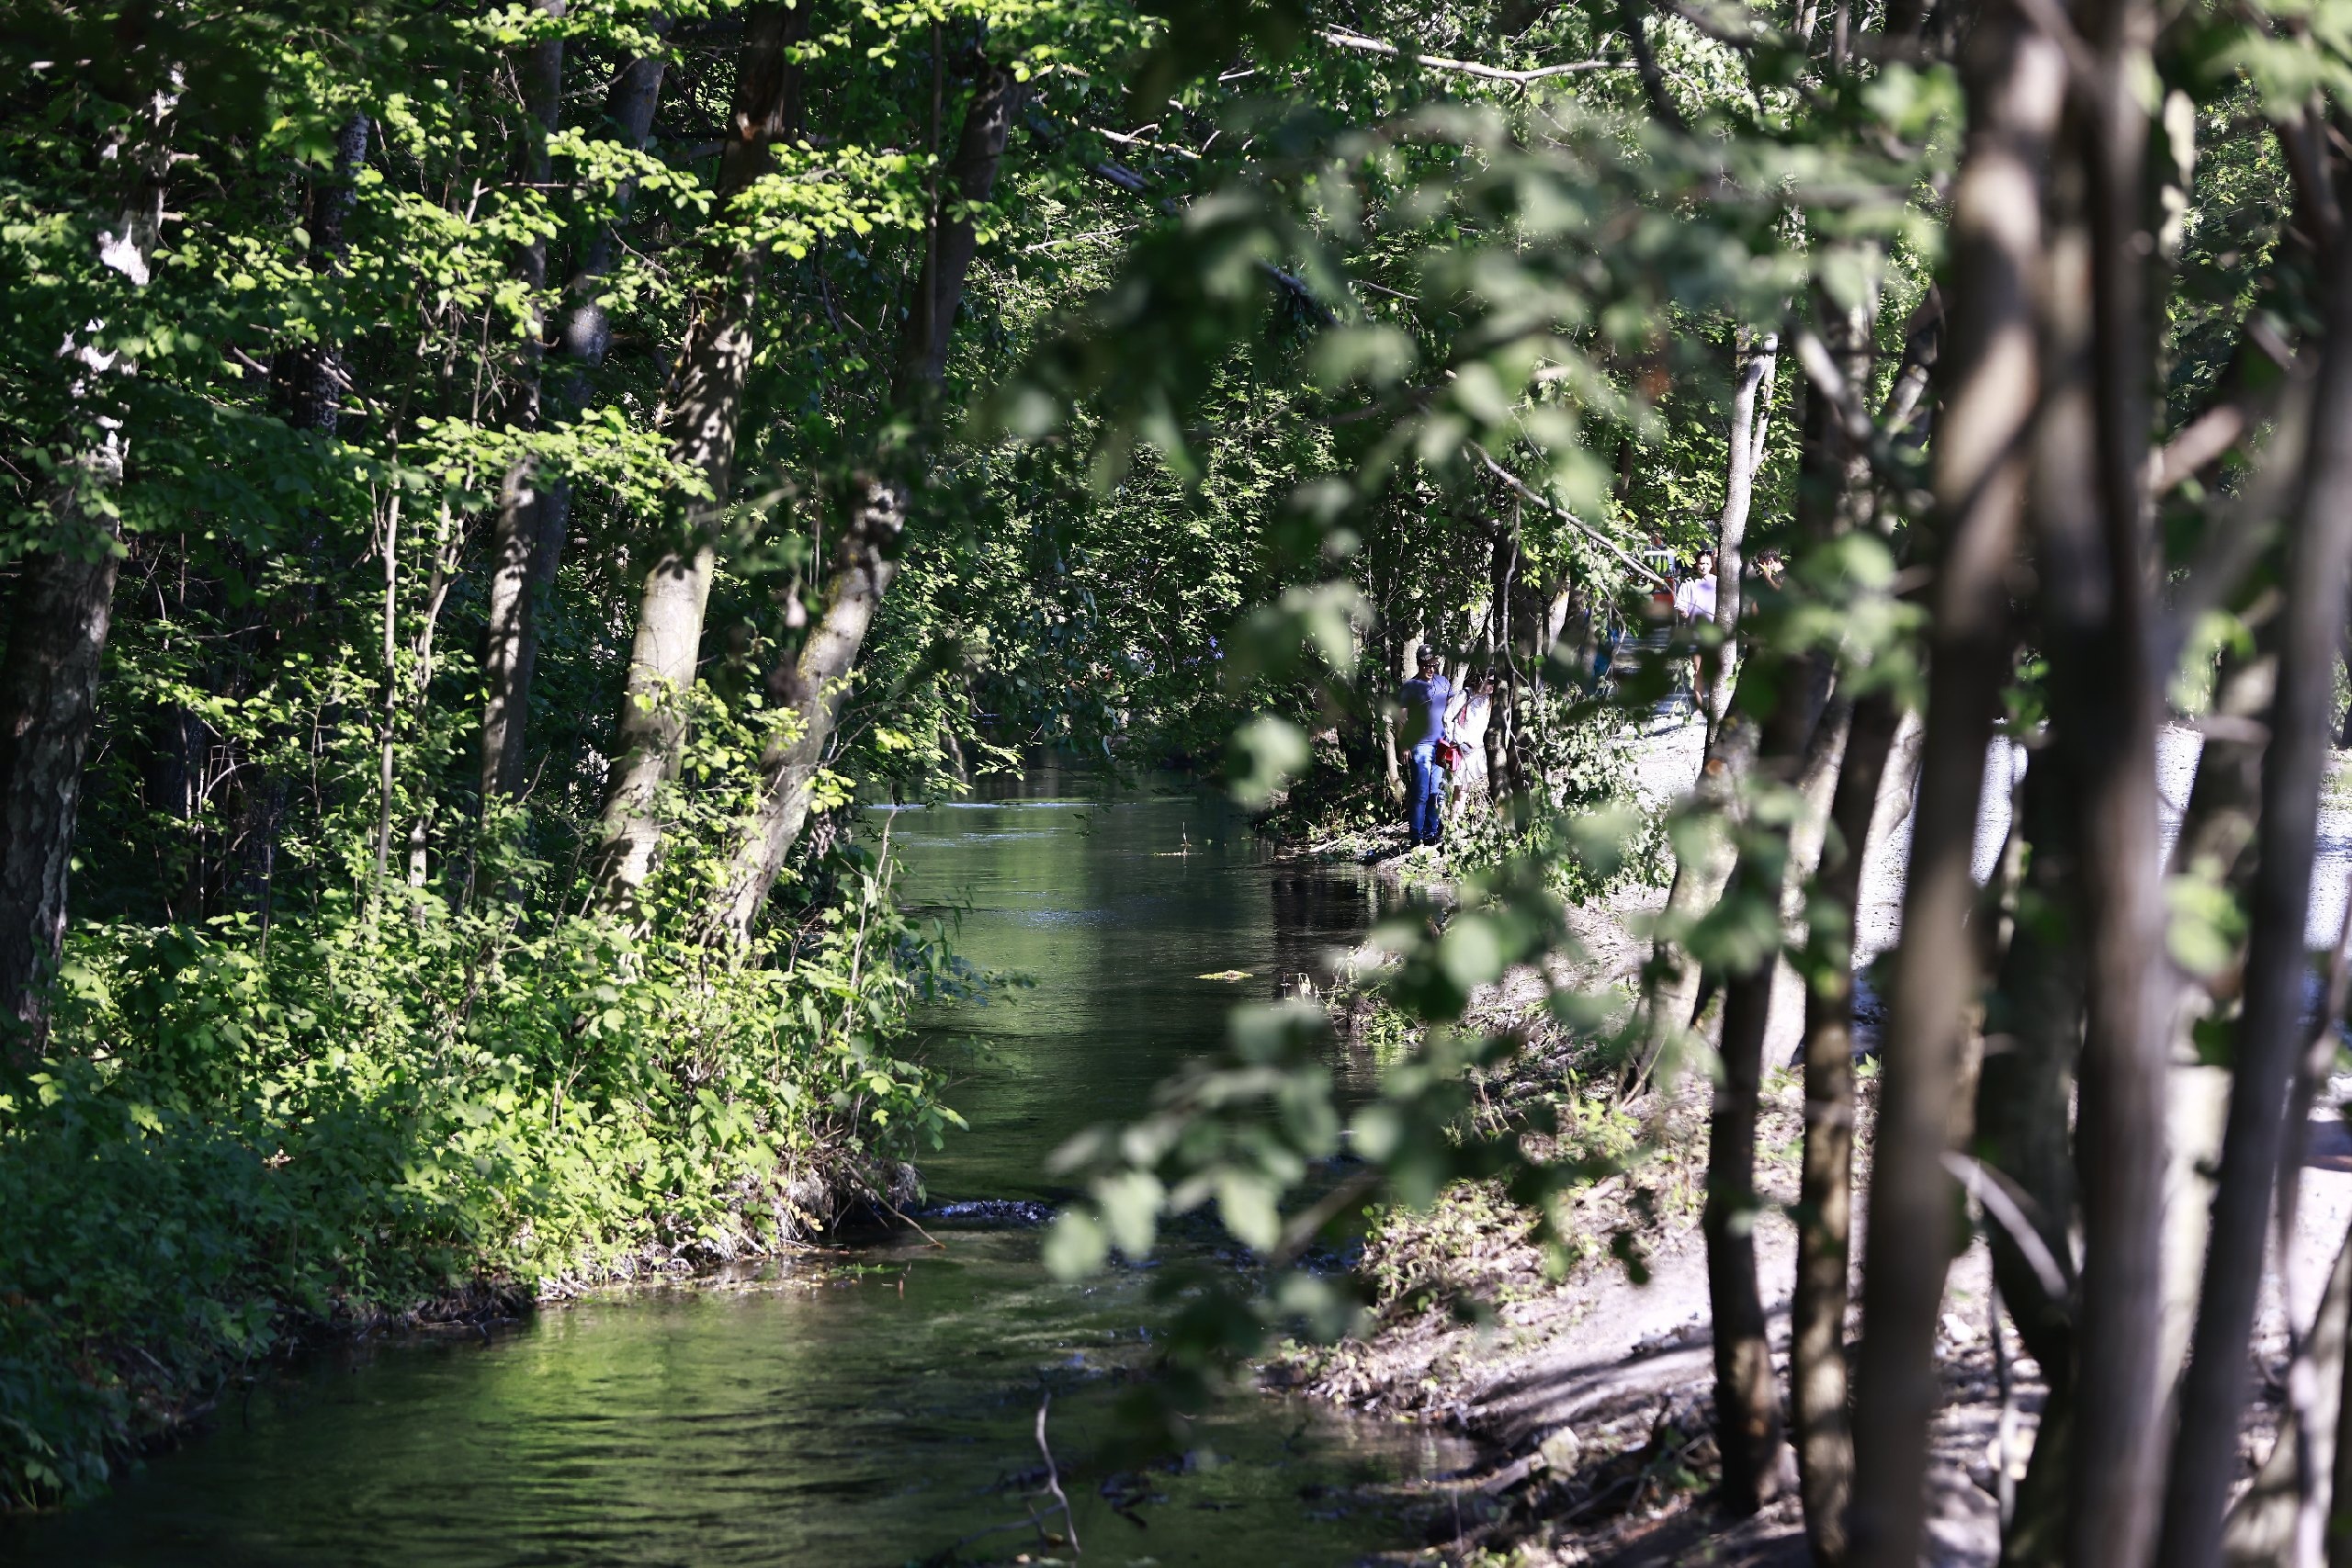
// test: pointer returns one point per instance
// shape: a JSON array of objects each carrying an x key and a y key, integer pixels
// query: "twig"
[
  {"x": 909, "y": 1219},
  {"x": 1302, "y": 1228},
  {"x": 1984, "y": 1185},
  {"x": 1054, "y": 1477}
]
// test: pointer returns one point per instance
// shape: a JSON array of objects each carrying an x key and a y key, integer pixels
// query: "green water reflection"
[{"x": 878, "y": 1409}]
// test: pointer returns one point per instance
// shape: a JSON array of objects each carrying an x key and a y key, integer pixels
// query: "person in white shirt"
[
  {"x": 1694, "y": 602},
  {"x": 1695, "y": 599},
  {"x": 1467, "y": 728}
]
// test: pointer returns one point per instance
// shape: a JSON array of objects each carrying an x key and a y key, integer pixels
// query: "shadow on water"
[{"x": 875, "y": 1406}]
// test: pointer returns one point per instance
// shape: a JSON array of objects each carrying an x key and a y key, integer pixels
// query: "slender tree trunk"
[
  {"x": 1834, "y": 483},
  {"x": 523, "y": 494},
  {"x": 701, "y": 424},
  {"x": 49, "y": 686},
  {"x": 387, "y": 754},
  {"x": 307, "y": 380},
  {"x": 1703, "y": 861},
  {"x": 1703, "y": 864},
  {"x": 2024, "y": 1100},
  {"x": 2014, "y": 78},
  {"x": 1826, "y": 1193},
  {"x": 2270, "y": 1029},
  {"x": 1803, "y": 729},
  {"x": 818, "y": 680},
  {"x": 536, "y": 506},
  {"x": 1751, "y": 418},
  {"x": 2091, "y": 520},
  {"x": 1748, "y": 1398},
  {"x": 2033, "y": 1038}
]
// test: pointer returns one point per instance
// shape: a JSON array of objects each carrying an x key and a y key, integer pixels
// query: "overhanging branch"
[{"x": 1525, "y": 492}]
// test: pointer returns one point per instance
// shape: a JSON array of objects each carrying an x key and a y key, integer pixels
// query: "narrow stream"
[{"x": 875, "y": 1408}]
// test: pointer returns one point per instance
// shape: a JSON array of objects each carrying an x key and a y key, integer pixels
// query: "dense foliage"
[{"x": 488, "y": 491}]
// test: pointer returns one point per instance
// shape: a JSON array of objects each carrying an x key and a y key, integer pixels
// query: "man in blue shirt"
[{"x": 1425, "y": 698}]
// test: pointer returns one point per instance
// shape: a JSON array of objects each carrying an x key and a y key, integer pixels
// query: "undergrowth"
[{"x": 239, "y": 1135}]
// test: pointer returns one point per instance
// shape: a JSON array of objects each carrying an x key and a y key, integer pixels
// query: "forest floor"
[{"x": 1591, "y": 1394}]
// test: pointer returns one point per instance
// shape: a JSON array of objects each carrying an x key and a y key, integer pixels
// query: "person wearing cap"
[{"x": 1425, "y": 699}]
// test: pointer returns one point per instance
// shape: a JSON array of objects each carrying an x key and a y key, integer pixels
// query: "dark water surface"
[{"x": 876, "y": 1407}]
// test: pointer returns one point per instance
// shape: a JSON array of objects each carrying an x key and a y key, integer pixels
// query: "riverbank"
[
  {"x": 879, "y": 1402},
  {"x": 1589, "y": 1389},
  {"x": 241, "y": 1142}
]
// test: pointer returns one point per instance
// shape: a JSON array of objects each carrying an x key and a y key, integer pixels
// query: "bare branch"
[
  {"x": 1845, "y": 404},
  {"x": 1346, "y": 39},
  {"x": 2208, "y": 436},
  {"x": 1520, "y": 487},
  {"x": 1637, "y": 39}
]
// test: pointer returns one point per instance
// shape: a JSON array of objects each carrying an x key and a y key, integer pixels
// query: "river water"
[{"x": 877, "y": 1405}]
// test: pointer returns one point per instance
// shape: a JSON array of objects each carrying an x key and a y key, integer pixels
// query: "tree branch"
[
  {"x": 1565, "y": 515},
  {"x": 1347, "y": 40},
  {"x": 1646, "y": 61},
  {"x": 1845, "y": 404}
]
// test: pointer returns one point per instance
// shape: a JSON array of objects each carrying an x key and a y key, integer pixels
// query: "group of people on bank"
[{"x": 1446, "y": 729}]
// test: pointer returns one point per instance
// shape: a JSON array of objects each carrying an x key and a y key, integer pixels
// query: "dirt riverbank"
[{"x": 1591, "y": 1394}]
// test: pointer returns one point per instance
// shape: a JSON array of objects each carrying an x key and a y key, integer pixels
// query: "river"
[{"x": 875, "y": 1405}]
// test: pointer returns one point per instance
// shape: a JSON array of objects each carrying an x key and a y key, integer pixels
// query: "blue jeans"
[{"x": 1425, "y": 793}]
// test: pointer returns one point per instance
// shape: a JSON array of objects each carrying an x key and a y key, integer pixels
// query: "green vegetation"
[{"x": 488, "y": 490}]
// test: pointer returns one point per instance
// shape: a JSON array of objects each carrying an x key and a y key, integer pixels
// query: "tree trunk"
[
  {"x": 49, "y": 687},
  {"x": 2091, "y": 524},
  {"x": 1826, "y": 1195},
  {"x": 1834, "y": 483},
  {"x": 306, "y": 377},
  {"x": 2024, "y": 1089},
  {"x": 1798, "y": 737},
  {"x": 813, "y": 688},
  {"x": 1703, "y": 860},
  {"x": 1703, "y": 863},
  {"x": 1748, "y": 1398},
  {"x": 701, "y": 422},
  {"x": 2204, "y": 1463},
  {"x": 56, "y": 640},
  {"x": 1751, "y": 418},
  {"x": 2280, "y": 1521},
  {"x": 582, "y": 344},
  {"x": 523, "y": 495},
  {"x": 817, "y": 683},
  {"x": 2015, "y": 79},
  {"x": 306, "y": 380}
]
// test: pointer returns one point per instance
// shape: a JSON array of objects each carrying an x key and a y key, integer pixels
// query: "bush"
[{"x": 359, "y": 1113}]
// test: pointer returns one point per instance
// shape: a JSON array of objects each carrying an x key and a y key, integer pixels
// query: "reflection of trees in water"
[{"x": 1318, "y": 909}]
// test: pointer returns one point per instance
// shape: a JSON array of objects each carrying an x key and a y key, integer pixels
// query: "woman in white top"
[{"x": 1465, "y": 725}]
